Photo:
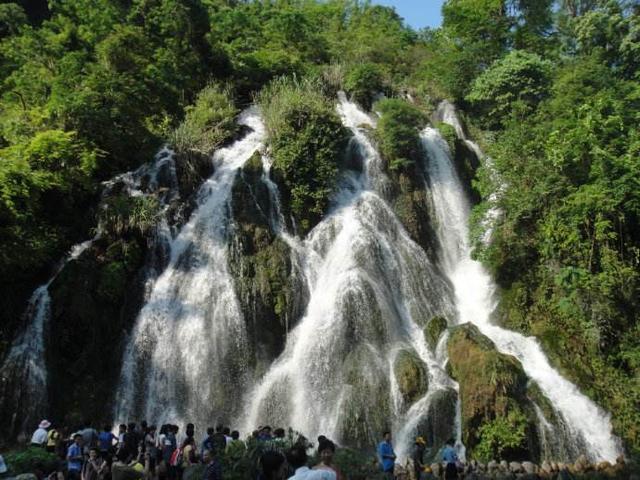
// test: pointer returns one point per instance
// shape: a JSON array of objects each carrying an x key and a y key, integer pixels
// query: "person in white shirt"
[
  {"x": 40, "y": 436},
  {"x": 297, "y": 458}
]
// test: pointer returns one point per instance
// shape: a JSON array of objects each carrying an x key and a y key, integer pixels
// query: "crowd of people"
[{"x": 144, "y": 452}]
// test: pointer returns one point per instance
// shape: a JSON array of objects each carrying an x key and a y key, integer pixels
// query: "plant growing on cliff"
[
  {"x": 207, "y": 123},
  {"x": 307, "y": 142},
  {"x": 398, "y": 132},
  {"x": 501, "y": 434}
]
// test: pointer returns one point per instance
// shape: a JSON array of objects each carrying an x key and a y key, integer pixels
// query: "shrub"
[
  {"x": 208, "y": 123},
  {"x": 519, "y": 80},
  {"x": 363, "y": 81},
  {"x": 307, "y": 142},
  {"x": 398, "y": 132},
  {"x": 125, "y": 215},
  {"x": 30, "y": 460}
]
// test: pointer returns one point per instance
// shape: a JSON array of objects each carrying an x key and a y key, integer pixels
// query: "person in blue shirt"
[
  {"x": 105, "y": 442},
  {"x": 386, "y": 455},
  {"x": 450, "y": 458},
  {"x": 75, "y": 458}
]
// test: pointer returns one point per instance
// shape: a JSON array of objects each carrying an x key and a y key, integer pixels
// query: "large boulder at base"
[{"x": 493, "y": 387}]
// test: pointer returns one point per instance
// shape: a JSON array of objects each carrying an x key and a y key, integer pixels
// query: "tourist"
[
  {"x": 265, "y": 434},
  {"x": 219, "y": 441},
  {"x": 227, "y": 434},
  {"x": 273, "y": 466},
  {"x": 89, "y": 437},
  {"x": 131, "y": 439},
  {"x": 279, "y": 435},
  {"x": 150, "y": 445},
  {"x": 326, "y": 450},
  {"x": 418, "y": 456},
  {"x": 207, "y": 442},
  {"x": 75, "y": 457},
  {"x": 386, "y": 455},
  {"x": 236, "y": 447},
  {"x": 105, "y": 442},
  {"x": 450, "y": 458},
  {"x": 39, "y": 437},
  {"x": 169, "y": 443},
  {"x": 213, "y": 470},
  {"x": 188, "y": 452},
  {"x": 297, "y": 458},
  {"x": 121, "y": 470},
  {"x": 122, "y": 430},
  {"x": 53, "y": 439},
  {"x": 95, "y": 467}
]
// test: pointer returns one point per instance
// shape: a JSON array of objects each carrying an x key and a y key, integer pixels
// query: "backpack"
[{"x": 176, "y": 458}]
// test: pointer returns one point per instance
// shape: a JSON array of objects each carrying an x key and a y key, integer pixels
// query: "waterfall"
[
  {"x": 475, "y": 301},
  {"x": 186, "y": 357},
  {"x": 372, "y": 290},
  {"x": 23, "y": 374}
]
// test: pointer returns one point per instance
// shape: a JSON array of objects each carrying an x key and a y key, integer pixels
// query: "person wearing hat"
[
  {"x": 418, "y": 456},
  {"x": 39, "y": 437}
]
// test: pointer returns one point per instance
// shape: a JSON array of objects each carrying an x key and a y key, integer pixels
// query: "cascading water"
[
  {"x": 371, "y": 289},
  {"x": 23, "y": 374},
  {"x": 186, "y": 358},
  {"x": 24, "y": 371},
  {"x": 475, "y": 301}
]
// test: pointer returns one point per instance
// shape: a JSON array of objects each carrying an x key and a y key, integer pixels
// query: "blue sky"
[{"x": 417, "y": 13}]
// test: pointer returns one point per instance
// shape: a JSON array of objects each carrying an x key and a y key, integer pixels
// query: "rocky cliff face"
[
  {"x": 492, "y": 386},
  {"x": 269, "y": 288}
]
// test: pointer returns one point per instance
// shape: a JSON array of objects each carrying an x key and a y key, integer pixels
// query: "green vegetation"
[
  {"x": 398, "y": 132},
  {"x": 492, "y": 396},
  {"x": 307, "y": 142},
  {"x": 363, "y": 81},
  {"x": 30, "y": 460},
  {"x": 207, "y": 123}
]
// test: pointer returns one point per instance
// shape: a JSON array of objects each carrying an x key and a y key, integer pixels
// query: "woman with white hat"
[{"x": 39, "y": 437}]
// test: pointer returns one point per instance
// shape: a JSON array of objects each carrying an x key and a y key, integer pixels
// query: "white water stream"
[{"x": 475, "y": 301}]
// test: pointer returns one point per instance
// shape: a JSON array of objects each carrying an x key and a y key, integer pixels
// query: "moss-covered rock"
[
  {"x": 95, "y": 300},
  {"x": 367, "y": 410},
  {"x": 434, "y": 329},
  {"x": 271, "y": 294},
  {"x": 411, "y": 375},
  {"x": 411, "y": 205},
  {"x": 491, "y": 386}
]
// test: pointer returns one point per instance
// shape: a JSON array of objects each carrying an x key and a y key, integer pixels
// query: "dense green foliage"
[
  {"x": 30, "y": 460},
  {"x": 565, "y": 150},
  {"x": 307, "y": 142},
  {"x": 397, "y": 132}
]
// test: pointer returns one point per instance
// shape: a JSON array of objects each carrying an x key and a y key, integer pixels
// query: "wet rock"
[
  {"x": 529, "y": 467},
  {"x": 270, "y": 291},
  {"x": 492, "y": 385},
  {"x": 504, "y": 466},
  {"x": 433, "y": 330},
  {"x": 367, "y": 408},
  {"x": 436, "y": 469},
  {"x": 439, "y": 423},
  {"x": 515, "y": 467},
  {"x": 411, "y": 375},
  {"x": 413, "y": 208}
]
